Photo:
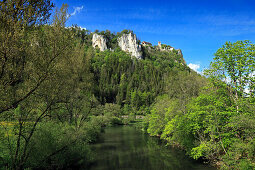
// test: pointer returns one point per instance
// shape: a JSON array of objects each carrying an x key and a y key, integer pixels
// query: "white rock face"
[
  {"x": 179, "y": 52},
  {"x": 128, "y": 43},
  {"x": 167, "y": 48},
  {"x": 99, "y": 41}
]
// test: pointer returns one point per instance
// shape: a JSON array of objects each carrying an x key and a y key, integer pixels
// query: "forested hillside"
[{"x": 57, "y": 92}]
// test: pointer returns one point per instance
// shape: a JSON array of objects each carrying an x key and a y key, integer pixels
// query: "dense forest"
[{"x": 57, "y": 93}]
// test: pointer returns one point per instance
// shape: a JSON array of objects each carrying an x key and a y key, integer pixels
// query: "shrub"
[{"x": 57, "y": 145}]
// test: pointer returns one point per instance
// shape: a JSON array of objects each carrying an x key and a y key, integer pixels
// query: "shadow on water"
[{"x": 125, "y": 147}]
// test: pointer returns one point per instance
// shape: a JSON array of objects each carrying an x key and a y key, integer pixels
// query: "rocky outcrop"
[
  {"x": 164, "y": 47},
  {"x": 146, "y": 44},
  {"x": 179, "y": 52},
  {"x": 128, "y": 43},
  {"x": 99, "y": 41}
]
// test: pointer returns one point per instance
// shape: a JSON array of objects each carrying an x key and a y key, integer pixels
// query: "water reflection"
[{"x": 125, "y": 147}]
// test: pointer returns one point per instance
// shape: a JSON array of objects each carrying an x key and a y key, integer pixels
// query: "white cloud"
[
  {"x": 194, "y": 67},
  {"x": 77, "y": 10}
]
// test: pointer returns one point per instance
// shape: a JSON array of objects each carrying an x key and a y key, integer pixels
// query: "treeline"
[{"x": 216, "y": 123}]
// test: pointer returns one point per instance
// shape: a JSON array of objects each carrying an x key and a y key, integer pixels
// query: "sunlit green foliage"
[{"x": 215, "y": 123}]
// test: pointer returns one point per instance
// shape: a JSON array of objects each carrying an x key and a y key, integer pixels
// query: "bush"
[
  {"x": 61, "y": 145},
  {"x": 116, "y": 121},
  {"x": 58, "y": 145}
]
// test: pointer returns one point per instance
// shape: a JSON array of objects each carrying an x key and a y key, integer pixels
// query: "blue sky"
[{"x": 197, "y": 27}]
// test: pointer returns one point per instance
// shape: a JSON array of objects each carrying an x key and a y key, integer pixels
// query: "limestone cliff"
[
  {"x": 128, "y": 43},
  {"x": 99, "y": 41},
  {"x": 164, "y": 47},
  {"x": 179, "y": 52}
]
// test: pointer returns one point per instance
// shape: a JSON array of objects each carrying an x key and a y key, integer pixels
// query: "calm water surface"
[{"x": 124, "y": 147}]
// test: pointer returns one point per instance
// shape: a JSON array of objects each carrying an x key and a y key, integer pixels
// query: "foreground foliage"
[
  {"x": 216, "y": 124},
  {"x": 44, "y": 98}
]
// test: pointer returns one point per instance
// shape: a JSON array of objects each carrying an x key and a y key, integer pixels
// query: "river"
[{"x": 125, "y": 147}]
